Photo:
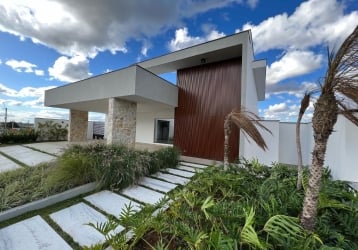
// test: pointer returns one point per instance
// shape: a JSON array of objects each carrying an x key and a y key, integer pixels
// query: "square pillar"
[
  {"x": 121, "y": 121},
  {"x": 78, "y": 126}
]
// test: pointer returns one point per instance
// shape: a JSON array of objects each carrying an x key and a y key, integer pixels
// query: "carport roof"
[
  {"x": 133, "y": 84},
  {"x": 140, "y": 83}
]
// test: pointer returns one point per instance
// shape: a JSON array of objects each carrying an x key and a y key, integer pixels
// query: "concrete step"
[
  {"x": 74, "y": 221},
  {"x": 171, "y": 178},
  {"x": 189, "y": 169},
  {"x": 32, "y": 233},
  {"x": 179, "y": 172},
  {"x": 190, "y": 164},
  {"x": 156, "y": 184},
  {"x": 111, "y": 203},
  {"x": 142, "y": 194}
]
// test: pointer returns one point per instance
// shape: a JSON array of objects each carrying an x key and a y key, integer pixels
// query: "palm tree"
[
  {"x": 247, "y": 122},
  {"x": 339, "y": 95},
  {"x": 304, "y": 105}
]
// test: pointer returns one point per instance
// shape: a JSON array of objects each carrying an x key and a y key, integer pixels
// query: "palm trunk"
[
  {"x": 299, "y": 152},
  {"x": 312, "y": 194},
  {"x": 324, "y": 118},
  {"x": 227, "y": 132}
]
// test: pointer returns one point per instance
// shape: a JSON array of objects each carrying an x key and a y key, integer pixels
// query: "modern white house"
[{"x": 213, "y": 78}]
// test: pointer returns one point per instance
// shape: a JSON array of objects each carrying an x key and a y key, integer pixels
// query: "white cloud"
[
  {"x": 280, "y": 107},
  {"x": 314, "y": 22},
  {"x": 7, "y": 91},
  {"x": 252, "y": 3},
  {"x": 24, "y": 66},
  {"x": 70, "y": 69},
  {"x": 78, "y": 27},
  {"x": 293, "y": 63},
  {"x": 290, "y": 88},
  {"x": 183, "y": 39},
  {"x": 283, "y": 112},
  {"x": 24, "y": 92}
]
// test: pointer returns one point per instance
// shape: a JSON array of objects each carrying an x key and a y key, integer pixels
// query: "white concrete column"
[
  {"x": 121, "y": 122},
  {"x": 78, "y": 126}
]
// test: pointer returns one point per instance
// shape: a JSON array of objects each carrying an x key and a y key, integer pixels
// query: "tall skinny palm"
[
  {"x": 339, "y": 95},
  {"x": 247, "y": 122},
  {"x": 304, "y": 105}
]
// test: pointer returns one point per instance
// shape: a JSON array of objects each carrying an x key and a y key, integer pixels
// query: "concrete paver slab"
[
  {"x": 7, "y": 164},
  {"x": 179, "y": 172},
  {"x": 55, "y": 148},
  {"x": 33, "y": 233},
  {"x": 74, "y": 219},
  {"x": 171, "y": 178},
  {"x": 142, "y": 194},
  {"x": 156, "y": 184},
  {"x": 28, "y": 156},
  {"x": 195, "y": 165},
  {"x": 190, "y": 169},
  {"x": 110, "y": 202}
]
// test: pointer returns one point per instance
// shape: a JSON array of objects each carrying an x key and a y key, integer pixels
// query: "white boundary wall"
[{"x": 342, "y": 150}]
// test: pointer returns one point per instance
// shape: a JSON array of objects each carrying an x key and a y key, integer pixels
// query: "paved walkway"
[
  {"x": 35, "y": 233},
  {"x": 29, "y": 154}
]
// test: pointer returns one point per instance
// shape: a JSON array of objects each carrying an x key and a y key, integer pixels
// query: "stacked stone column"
[
  {"x": 121, "y": 120},
  {"x": 78, "y": 126}
]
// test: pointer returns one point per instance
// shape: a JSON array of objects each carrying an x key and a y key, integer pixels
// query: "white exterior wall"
[
  {"x": 272, "y": 141},
  {"x": 341, "y": 155},
  {"x": 287, "y": 143},
  {"x": 342, "y": 151},
  {"x": 146, "y": 124}
]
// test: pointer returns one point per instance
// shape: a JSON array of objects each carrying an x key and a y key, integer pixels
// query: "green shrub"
[
  {"x": 112, "y": 166},
  {"x": 18, "y": 136},
  {"x": 249, "y": 206},
  {"x": 70, "y": 170}
]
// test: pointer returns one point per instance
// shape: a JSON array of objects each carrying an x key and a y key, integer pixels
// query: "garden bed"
[
  {"x": 249, "y": 206},
  {"x": 110, "y": 166}
]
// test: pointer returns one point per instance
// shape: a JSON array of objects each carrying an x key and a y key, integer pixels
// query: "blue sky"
[{"x": 45, "y": 44}]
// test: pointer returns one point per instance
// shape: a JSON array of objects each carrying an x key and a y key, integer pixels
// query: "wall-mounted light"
[{"x": 203, "y": 60}]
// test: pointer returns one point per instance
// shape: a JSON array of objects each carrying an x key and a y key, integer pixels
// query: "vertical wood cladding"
[{"x": 207, "y": 93}]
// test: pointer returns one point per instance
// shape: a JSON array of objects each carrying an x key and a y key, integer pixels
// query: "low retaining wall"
[{"x": 48, "y": 201}]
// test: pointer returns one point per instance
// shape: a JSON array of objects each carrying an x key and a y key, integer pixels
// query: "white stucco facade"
[{"x": 341, "y": 155}]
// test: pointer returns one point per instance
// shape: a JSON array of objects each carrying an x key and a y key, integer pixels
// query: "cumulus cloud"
[
  {"x": 293, "y": 63},
  {"x": 24, "y": 92},
  {"x": 314, "y": 22},
  {"x": 24, "y": 66},
  {"x": 93, "y": 26},
  {"x": 290, "y": 88},
  {"x": 70, "y": 69},
  {"x": 284, "y": 112},
  {"x": 183, "y": 39}
]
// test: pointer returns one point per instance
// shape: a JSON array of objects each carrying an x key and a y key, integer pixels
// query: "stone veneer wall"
[
  {"x": 121, "y": 122},
  {"x": 78, "y": 126}
]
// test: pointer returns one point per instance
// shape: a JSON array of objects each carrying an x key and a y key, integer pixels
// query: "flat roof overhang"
[
  {"x": 259, "y": 69},
  {"x": 221, "y": 49},
  {"x": 133, "y": 84}
]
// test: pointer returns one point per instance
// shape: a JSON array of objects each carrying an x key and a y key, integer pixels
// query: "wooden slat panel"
[{"x": 207, "y": 94}]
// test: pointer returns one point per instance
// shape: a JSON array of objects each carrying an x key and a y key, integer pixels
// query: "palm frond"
[
  {"x": 248, "y": 123},
  {"x": 343, "y": 70},
  {"x": 348, "y": 113},
  {"x": 342, "y": 66}
]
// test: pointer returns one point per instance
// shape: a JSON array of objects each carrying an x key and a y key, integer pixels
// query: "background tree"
[
  {"x": 246, "y": 121},
  {"x": 339, "y": 95}
]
